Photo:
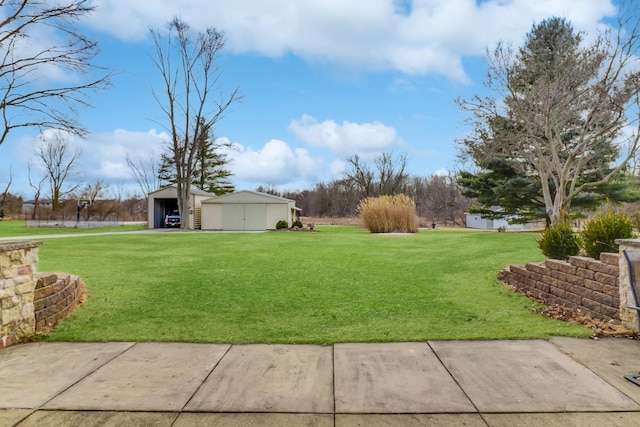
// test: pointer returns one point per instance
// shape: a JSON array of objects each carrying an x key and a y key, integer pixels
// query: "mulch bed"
[{"x": 600, "y": 328}]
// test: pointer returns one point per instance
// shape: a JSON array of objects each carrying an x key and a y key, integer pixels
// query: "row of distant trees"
[{"x": 438, "y": 198}]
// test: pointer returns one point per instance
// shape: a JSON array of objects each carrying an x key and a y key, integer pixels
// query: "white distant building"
[{"x": 477, "y": 221}]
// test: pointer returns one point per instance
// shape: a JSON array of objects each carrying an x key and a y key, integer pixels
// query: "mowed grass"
[
  {"x": 341, "y": 284},
  {"x": 18, "y": 229}
]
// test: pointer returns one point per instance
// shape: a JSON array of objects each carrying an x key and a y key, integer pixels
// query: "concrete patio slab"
[
  {"x": 619, "y": 419},
  {"x": 610, "y": 358},
  {"x": 262, "y": 420},
  {"x": 394, "y": 378},
  {"x": 147, "y": 377},
  {"x": 405, "y": 420},
  {"x": 9, "y": 417},
  {"x": 99, "y": 419},
  {"x": 527, "y": 376},
  {"x": 34, "y": 373},
  {"x": 269, "y": 378}
]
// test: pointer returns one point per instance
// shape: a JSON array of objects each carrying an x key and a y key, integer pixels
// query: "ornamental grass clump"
[{"x": 389, "y": 214}]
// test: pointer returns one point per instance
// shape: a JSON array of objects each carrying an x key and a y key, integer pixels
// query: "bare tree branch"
[
  {"x": 145, "y": 174},
  {"x": 28, "y": 97}
]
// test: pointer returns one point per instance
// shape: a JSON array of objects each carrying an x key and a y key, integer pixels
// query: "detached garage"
[
  {"x": 247, "y": 211},
  {"x": 164, "y": 202}
]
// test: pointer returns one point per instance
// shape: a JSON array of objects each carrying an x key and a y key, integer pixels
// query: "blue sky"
[{"x": 321, "y": 80}]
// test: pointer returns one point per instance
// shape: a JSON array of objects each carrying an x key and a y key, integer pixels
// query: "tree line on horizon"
[{"x": 438, "y": 198}]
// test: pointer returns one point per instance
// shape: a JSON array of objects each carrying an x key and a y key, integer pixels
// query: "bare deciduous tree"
[
  {"x": 27, "y": 97},
  {"x": 37, "y": 191},
  {"x": 438, "y": 199},
  {"x": 565, "y": 110},
  {"x": 187, "y": 62},
  {"x": 5, "y": 193},
  {"x": 92, "y": 191},
  {"x": 59, "y": 164},
  {"x": 387, "y": 178},
  {"x": 392, "y": 177},
  {"x": 361, "y": 175},
  {"x": 145, "y": 174}
]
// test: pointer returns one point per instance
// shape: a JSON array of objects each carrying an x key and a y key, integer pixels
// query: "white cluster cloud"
[
  {"x": 276, "y": 163},
  {"x": 344, "y": 139},
  {"x": 415, "y": 37},
  {"x": 106, "y": 152}
]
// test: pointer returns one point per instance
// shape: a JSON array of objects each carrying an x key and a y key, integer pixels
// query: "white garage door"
[
  {"x": 240, "y": 217},
  {"x": 255, "y": 217}
]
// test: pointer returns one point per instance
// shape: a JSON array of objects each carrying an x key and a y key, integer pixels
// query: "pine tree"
[
  {"x": 209, "y": 174},
  {"x": 557, "y": 119}
]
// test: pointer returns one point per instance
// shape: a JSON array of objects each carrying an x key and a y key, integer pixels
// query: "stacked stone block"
[
  {"x": 18, "y": 263},
  {"x": 583, "y": 283},
  {"x": 56, "y": 295}
]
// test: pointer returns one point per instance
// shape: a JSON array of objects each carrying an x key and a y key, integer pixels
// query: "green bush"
[
  {"x": 389, "y": 214},
  {"x": 558, "y": 241},
  {"x": 297, "y": 224},
  {"x": 600, "y": 232},
  {"x": 282, "y": 224}
]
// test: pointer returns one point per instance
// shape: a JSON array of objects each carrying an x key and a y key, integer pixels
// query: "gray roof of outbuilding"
[
  {"x": 236, "y": 194},
  {"x": 193, "y": 190}
]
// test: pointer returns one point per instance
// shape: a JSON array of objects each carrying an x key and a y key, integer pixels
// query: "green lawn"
[
  {"x": 18, "y": 229},
  {"x": 341, "y": 284}
]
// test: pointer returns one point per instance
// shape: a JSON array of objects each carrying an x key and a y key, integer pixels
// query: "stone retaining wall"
[
  {"x": 56, "y": 295},
  {"x": 580, "y": 283},
  {"x": 32, "y": 302},
  {"x": 18, "y": 263}
]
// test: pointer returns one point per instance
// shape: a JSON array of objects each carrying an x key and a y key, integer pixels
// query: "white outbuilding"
[
  {"x": 164, "y": 202},
  {"x": 474, "y": 220},
  {"x": 247, "y": 211}
]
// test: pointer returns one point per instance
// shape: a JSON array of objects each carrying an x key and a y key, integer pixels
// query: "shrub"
[
  {"x": 297, "y": 224},
  {"x": 558, "y": 241},
  {"x": 389, "y": 214},
  {"x": 600, "y": 232},
  {"x": 282, "y": 224}
]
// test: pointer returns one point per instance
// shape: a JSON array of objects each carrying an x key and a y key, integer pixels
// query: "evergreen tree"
[
  {"x": 519, "y": 197},
  {"x": 166, "y": 170},
  {"x": 210, "y": 173},
  {"x": 553, "y": 137}
]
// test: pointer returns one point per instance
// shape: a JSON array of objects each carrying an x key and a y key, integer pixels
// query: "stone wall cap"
[
  {"x": 628, "y": 242},
  {"x": 13, "y": 246}
]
